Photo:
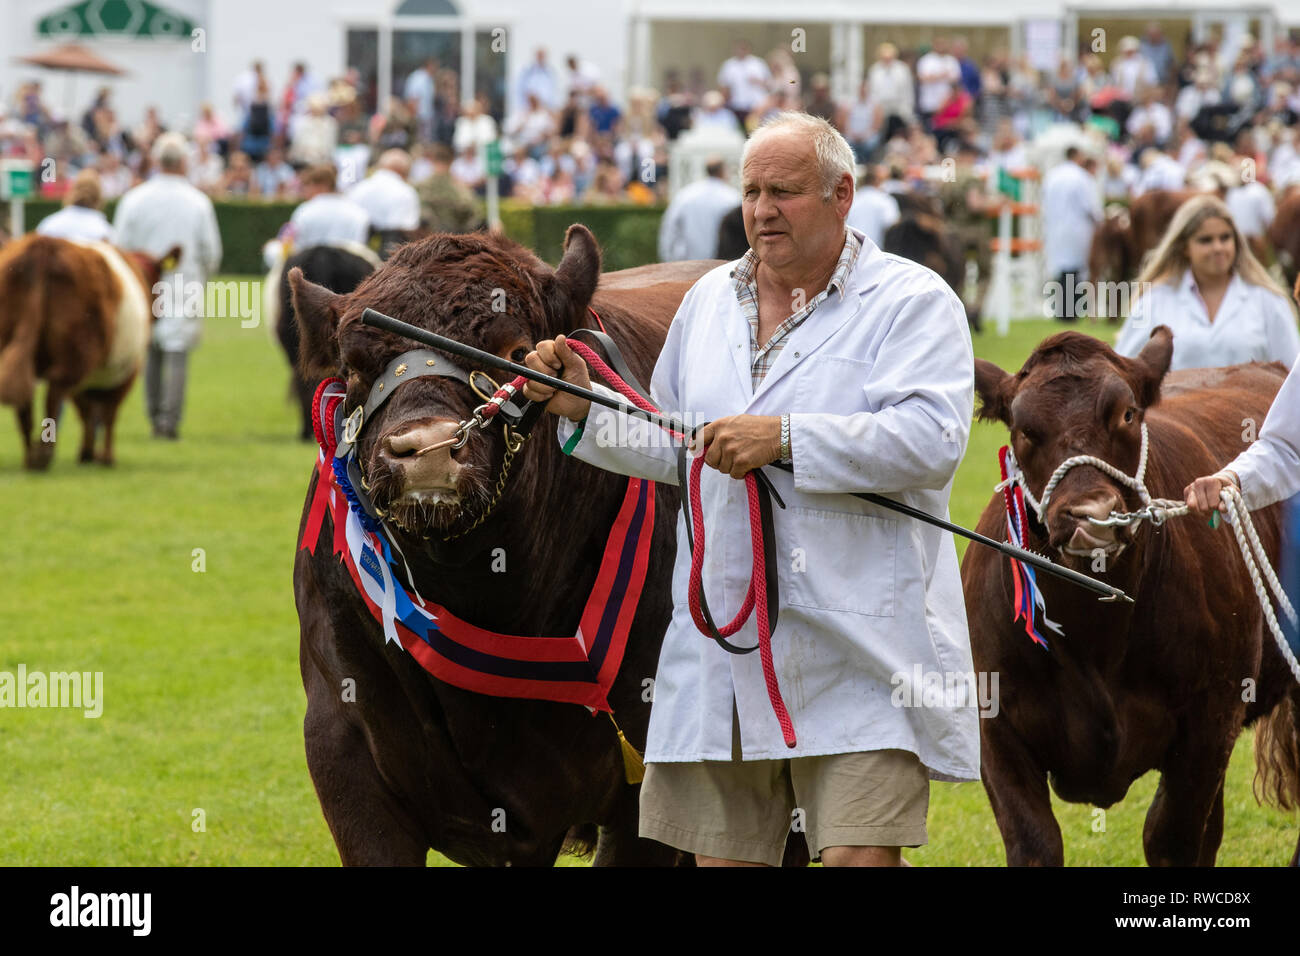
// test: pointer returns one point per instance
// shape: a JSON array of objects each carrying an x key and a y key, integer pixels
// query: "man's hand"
[
  {"x": 740, "y": 443},
  {"x": 550, "y": 356},
  {"x": 1202, "y": 495}
]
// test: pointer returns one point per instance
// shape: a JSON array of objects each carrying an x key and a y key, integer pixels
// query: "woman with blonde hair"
[
  {"x": 1206, "y": 285},
  {"x": 80, "y": 219}
]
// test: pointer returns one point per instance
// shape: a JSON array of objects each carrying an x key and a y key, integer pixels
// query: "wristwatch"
[{"x": 786, "y": 457}]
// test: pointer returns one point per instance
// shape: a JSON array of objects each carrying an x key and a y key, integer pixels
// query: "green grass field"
[{"x": 203, "y": 704}]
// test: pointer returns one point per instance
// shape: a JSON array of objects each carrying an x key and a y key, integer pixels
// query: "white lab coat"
[
  {"x": 388, "y": 199},
  {"x": 880, "y": 391},
  {"x": 329, "y": 218},
  {"x": 1269, "y": 470},
  {"x": 873, "y": 212},
  {"x": 77, "y": 223},
  {"x": 1071, "y": 211},
  {"x": 1252, "y": 324},
  {"x": 690, "y": 225},
  {"x": 153, "y": 217}
]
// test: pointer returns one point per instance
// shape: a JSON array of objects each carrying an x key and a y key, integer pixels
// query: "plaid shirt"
[{"x": 745, "y": 279}]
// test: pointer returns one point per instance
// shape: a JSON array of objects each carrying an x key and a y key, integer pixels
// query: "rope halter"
[{"x": 1155, "y": 510}]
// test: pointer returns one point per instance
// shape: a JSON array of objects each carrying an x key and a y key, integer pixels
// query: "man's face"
[{"x": 787, "y": 223}]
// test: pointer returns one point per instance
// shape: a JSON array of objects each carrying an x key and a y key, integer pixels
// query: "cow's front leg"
[
  {"x": 1022, "y": 803},
  {"x": 1181, "y": 827},
  {"x": 369, "y": 825},
  {"x": 619, "y": 844}
]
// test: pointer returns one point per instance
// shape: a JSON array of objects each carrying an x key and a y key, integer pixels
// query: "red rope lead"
[{"x": 756, "y": 595}]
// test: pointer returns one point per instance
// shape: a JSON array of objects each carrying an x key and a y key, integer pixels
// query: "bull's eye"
[
  {"x": 518, "y": 355},
  {"x": 1129, "y": 416}
]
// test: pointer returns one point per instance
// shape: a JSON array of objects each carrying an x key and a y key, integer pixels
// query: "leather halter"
[{"x": 422, "y": 363}]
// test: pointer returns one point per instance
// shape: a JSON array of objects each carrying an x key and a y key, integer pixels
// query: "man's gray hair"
[
  {"x": 170, "y": 151},
  {"x": 834, "y": 155}
]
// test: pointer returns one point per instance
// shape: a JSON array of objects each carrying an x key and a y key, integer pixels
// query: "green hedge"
[{"x": 628, "y": 235}]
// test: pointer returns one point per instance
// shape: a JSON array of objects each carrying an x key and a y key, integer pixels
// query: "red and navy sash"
[{"x": 578, "y": 669}]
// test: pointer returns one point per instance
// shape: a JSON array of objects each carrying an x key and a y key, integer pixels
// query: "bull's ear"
[
  {"x": 990, "y": 386},
  {"x": 575, "y": 278},
  {"x": 1152, "y": 363},
  {"x": 317, "y": 310}
]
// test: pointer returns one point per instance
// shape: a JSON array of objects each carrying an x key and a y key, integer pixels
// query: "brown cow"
[
  {"x": 1284, "y": 234},
  {"x": 413, "y": 763},
  {"x": 1122, "y": 241},
  {"x": 1165, "y": 683},
  {"x": 78, "y": 316}
]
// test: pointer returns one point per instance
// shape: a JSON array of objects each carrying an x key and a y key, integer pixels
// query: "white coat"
[
  {"x": 1253, "y": 324},
  {"x": 689, "y": 229},
  {"x": 1071, "y": 211},
  {"x": 153, "y": 217},
  {"x": 1269, "y": 470},
  {"x": 879, "y": 385}
]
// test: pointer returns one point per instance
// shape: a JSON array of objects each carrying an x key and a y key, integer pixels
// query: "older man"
[
  {"x": 854, "y": 366},
  {"x": 155, "y": 216},
  {"x": 387, "y": 198}
]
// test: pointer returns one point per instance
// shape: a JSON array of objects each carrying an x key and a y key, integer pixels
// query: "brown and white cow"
[
  {"x": 1165, "y": 683},
  {"x": 78, "y": 316}
]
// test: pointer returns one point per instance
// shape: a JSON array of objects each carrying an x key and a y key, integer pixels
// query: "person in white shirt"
[
  {"x": 936, "y": 74},
  {"x": 689, "y": 229},
  {"x": 1130, "y": 69},
  {"x": 1071, "y": 211},
  {"x": 475, "y": 127},
  {"x": 713, "y": 111},
  {"x": 326, "y": 218},
  {"x": 316, "y": 135},
  {"x": 1200, "y": 93},
  {"x": 1253, "y": 210},
  {"x": 873, "y": 210},
  {"x": 387, "y": 198},
  {"x": 154, "y": 217},
  {"x": 1151, "y": 112},
  {"x": 1268, "y": 471},
  {"x": 1207, "y": 286},
  {"x": 891, "y": 87},
  {"x": 865, "y": 386},
  {"x": 80, "y": 219},
  {"x": 745, "y": 78},
  {"x": 418, "y": 91},
  {"x": 531, "y": 128},
  {"x": 1159, "y": 171},
  {"x": 583, "y": 77}
]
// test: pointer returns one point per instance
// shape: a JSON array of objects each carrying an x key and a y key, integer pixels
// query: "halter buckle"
[{"x": 352, "y": 427}]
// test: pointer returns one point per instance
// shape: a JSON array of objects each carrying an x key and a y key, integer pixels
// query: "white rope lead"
[
  {"x": 1248, "y": 541},
  {"x": 1158, "y": 510}
]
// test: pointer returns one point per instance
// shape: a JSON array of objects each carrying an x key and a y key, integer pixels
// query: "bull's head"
[
  {"x": 480, "y": 289},
  {"x": 1075, "y": 396}
]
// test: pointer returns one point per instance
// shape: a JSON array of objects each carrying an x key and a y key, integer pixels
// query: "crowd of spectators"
[{"x": 1162, "y": 119}]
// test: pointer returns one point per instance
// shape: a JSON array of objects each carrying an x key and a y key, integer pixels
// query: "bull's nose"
[
  {"x": 423, "y": 456},
  {"x": 1086, "y": 536},
  {"x": 409, "y": 443}
]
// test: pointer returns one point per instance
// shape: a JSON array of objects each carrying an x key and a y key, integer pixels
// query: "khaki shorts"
[{"x": 744, "y": 810}]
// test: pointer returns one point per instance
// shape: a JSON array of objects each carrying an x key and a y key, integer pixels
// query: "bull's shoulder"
[
  {"x": 1263, "y": 378},
  {"x": 657, "y": 274}
]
